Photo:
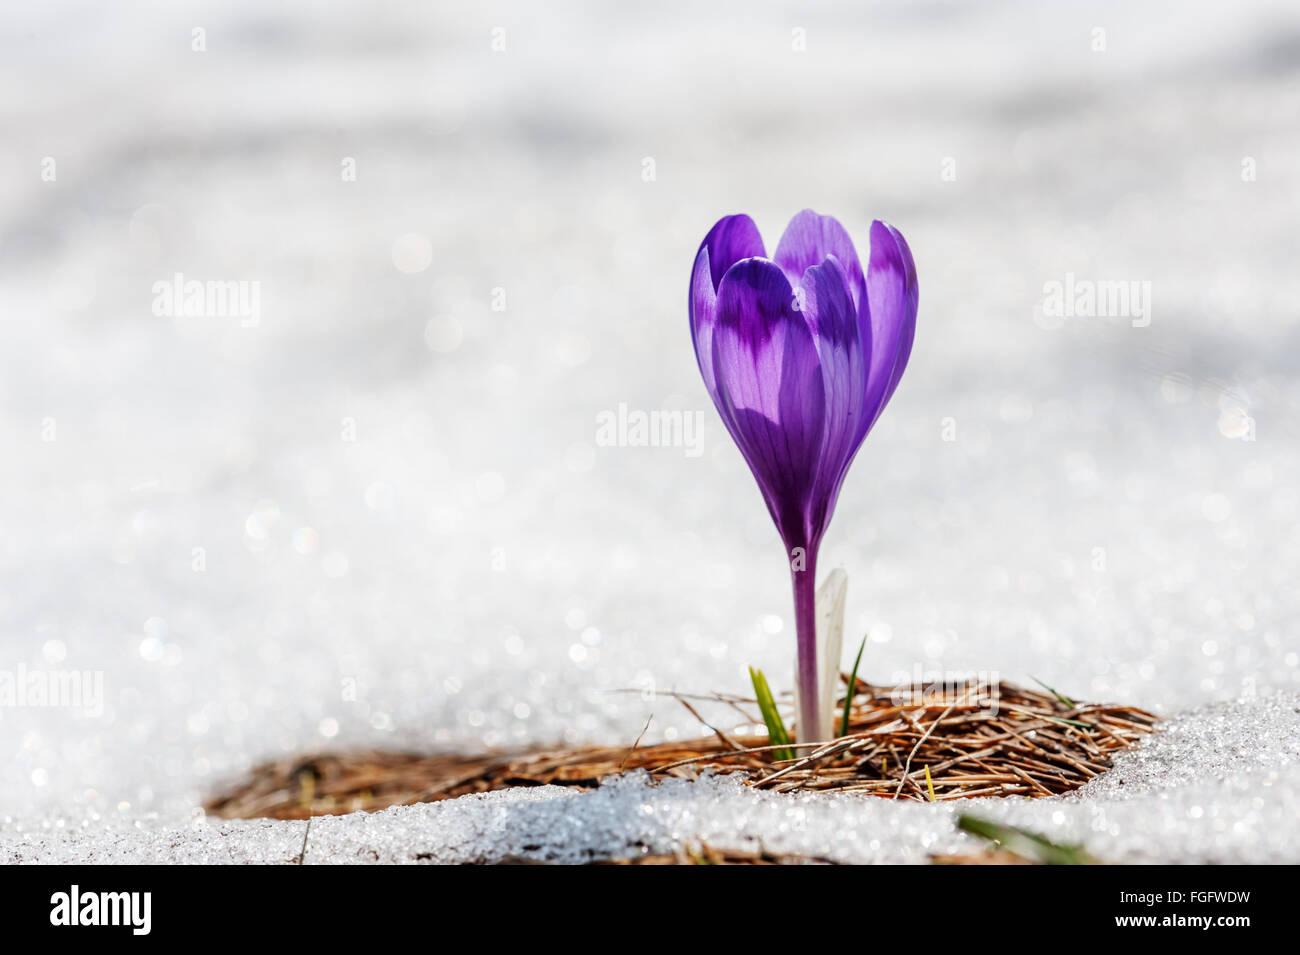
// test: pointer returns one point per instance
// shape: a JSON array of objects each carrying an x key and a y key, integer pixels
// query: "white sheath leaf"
[{"x": 829, "y": 604}]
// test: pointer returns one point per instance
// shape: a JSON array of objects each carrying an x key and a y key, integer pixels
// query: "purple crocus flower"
[{"x": 801, "y": 352}]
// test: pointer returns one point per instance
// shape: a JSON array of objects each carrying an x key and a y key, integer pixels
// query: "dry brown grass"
[{"x": 1030, "y": 744}]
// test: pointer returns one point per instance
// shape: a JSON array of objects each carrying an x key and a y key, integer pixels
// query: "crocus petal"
[
  {"x": 887, "y": 316},
  {"x": 911, "y": 304},
  {"x": 769, "y": 389},
  {"x": 731, "y": 239},
  {"x": 703, "y": 308},
  {"x": 830, "y": 312},
  {"x": 808, "y": 240}
]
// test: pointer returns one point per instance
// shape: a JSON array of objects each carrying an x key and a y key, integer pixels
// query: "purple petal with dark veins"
[
  {"x": 829, "y": 309},
  {"x": 770, "y": 390},
  {"x": 911, "y": 304},
  {"x": 808, "y": 239},
  {"x": 703, "y": 308},
  {"x": 731, "y": 239},
  {"x": 887, "y": 315}
]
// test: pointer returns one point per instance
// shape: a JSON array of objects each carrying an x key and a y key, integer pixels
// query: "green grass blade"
[
  {"x": 1051, "y": 719},
  {"x": 1027, "y": 845},
  {"x": 851, "y": 689},
  {"x": 1060, "y": 696},
  {"x": 776, "y": 733}
]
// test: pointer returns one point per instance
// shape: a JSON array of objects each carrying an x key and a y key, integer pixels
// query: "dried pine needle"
[{"x": 977, "y": 740}]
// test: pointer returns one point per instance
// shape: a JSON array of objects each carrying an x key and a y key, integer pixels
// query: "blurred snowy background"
[{"x": 377, "y": 513}]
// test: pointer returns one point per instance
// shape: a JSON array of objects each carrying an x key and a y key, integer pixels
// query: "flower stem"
[{"x": 809, "y": 728}]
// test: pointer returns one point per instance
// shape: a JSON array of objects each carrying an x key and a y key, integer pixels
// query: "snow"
[
  {"x": 1224, "y": 809},
  {"x": 380, "y": 515}
]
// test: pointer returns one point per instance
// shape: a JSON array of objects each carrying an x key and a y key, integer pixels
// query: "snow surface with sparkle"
[
  {"x": 380, "y": 516},
  {"x": 1237, "y": 789}
]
